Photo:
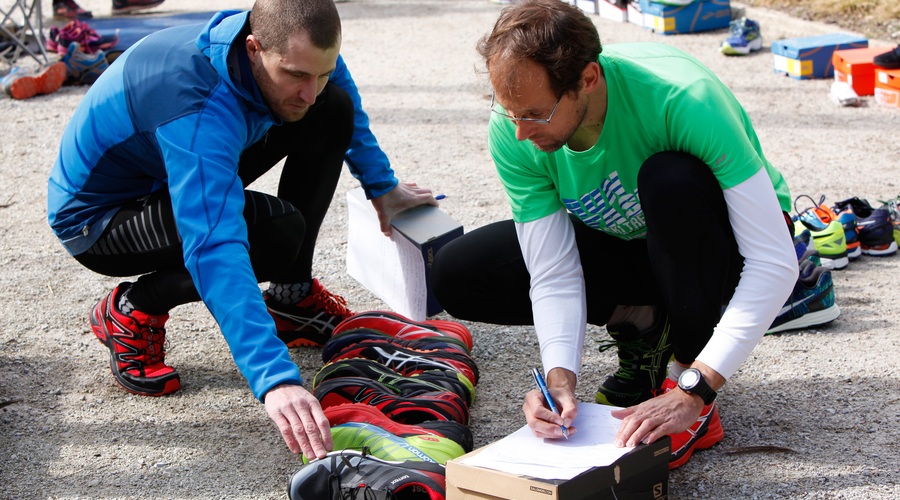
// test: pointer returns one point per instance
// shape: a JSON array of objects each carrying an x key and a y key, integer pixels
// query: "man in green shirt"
[{"x": 642, "y": 201}]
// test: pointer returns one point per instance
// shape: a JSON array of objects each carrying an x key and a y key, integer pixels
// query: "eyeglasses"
[{"x": 542, "y": 121}]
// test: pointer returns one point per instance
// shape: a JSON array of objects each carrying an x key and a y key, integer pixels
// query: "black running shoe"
[
  {"x": 437, "y": 405},
  {"x": 347, "y": 474},
  {"x": 408, "y": 361},
  {"x": 427, "y": 381},
  {"x": 643, "y": 363}
]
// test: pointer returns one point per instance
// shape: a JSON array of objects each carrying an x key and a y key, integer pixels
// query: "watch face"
[{"x": 690, "y": 378}]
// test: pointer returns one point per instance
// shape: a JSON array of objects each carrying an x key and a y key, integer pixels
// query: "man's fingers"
[
  {"x": 287, "y": 433},
  {"x": 309, "y": 431}
]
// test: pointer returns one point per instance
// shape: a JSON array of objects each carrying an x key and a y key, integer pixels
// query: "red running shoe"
[
  {"x": 409, "y": 361},
  {"x": 363, "y": 413},
  {"x": 136, "y": 344},
  {"x": 438, "y": 405},
  {"x": 24, "y": 84},
  {"x": 311, "y": 321},
  {"x": 348, "y": 338},
  {"x": 400, "y": 326},
  {"x": 705, "y": 433}
]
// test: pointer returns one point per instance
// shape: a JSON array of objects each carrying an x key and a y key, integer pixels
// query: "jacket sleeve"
[
  {"x": 201, "y": 153},
  {"x": 367, "y": 162}
]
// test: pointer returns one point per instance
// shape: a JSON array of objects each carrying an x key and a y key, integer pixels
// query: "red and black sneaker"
[
  {"x": 705, "y": 433},
  {"x": 311, "y": 321},
  {"x": 427, "y": 381},
  {"x": 437, "y": 405},
  {"x": 360, "y": 412},
  {"x": 347, "y": 338},
  {"x": 408, "y": 361},
  {"x": 400, "y": 326},
  {"x": 136, "y": 344}
]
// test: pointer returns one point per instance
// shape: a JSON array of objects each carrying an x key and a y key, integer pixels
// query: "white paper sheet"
[{"x": 525, "y": 454}]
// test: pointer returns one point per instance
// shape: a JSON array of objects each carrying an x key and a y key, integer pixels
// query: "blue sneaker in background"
[
  {"x": 745, "y": 38},
  {"x": 811, "y": 303},
  {"x": 82, "y": 68}
]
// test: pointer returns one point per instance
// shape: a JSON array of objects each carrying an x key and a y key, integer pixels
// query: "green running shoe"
[{"x": 382, "y": 444}]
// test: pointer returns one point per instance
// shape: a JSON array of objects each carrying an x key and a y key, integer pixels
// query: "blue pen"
[{"x": 539, "y": 380}]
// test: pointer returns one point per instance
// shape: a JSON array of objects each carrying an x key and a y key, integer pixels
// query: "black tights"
[
  {"x": 689, "y": 264},
  {"x": 143, "y": 239}
]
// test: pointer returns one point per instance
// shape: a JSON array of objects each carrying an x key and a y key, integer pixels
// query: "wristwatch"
[{"x": 691, "y": 381}]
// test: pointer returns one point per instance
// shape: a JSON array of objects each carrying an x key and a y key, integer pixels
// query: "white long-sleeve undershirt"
[{"x": 767, "y": 279}]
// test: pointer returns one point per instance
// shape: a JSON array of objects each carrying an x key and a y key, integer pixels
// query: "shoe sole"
[
  {"x": 835, "y": 264},
  {"x": 817, "y": 318},
  {"x": 753, "y": 46},
  {"x": 881, "y": 250},
  {"x": 47, "y": 82},
  {"x": 98, "y": 325}
]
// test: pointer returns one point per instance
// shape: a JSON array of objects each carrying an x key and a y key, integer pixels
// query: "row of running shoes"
[
  {"x": 849, "y": 228},
  {"x": 397, "y": 396}
]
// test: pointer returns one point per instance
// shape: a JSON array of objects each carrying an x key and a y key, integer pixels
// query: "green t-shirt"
[{"x": 659, "y": 99}]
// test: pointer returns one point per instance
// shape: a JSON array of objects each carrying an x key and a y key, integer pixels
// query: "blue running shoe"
[
  {"x": 82, "y": 68},
  {"x": 745, "y": 38},
  {"x": 875, "y": 227},
  {"x": 851, "y": 233},
  {"x": 810, "y": 304}
]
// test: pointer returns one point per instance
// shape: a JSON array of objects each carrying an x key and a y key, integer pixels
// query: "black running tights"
[
  {"x": 142, "y": 239},
  {"x": 689, "y": 264}
]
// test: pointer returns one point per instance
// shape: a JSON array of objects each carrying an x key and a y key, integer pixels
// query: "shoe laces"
[
  {"x": 77, "y": 31},
  {"x": 333, "y": 304},
  {"x": 154, "y": 348},
  {"x": 629, "y": 351},
  {"x": 352, "y": 492}
]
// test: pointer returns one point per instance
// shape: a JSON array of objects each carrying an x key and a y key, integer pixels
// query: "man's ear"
[
  {"x": 590, "y": 77},
  {"x": 253, "y": 46}
]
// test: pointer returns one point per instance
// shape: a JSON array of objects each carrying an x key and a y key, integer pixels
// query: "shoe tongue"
[{"x": 154, "y": 321}]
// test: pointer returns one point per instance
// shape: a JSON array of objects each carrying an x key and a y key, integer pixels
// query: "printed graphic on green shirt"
[{"x": 609, "y": 208}]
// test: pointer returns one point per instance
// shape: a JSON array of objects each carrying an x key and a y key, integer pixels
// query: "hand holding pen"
[{"x": 542, "y": 385}]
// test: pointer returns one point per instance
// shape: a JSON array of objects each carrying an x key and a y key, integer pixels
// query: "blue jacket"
[{"x": 176, "y": 111}]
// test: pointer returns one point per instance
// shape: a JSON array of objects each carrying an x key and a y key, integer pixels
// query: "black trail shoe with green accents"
[{"x": 643, "y": 362}]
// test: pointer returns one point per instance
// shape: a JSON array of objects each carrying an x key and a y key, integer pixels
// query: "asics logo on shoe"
[{"x": 304, "y": 322}]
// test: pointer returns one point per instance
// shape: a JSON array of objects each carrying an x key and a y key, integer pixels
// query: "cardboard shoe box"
[
  {"x": 642, "y": 473},
  {"x": 855, "y": 67},
  {"x": 613, "y": 10},
  {"x": 635, "y": 16},
  {"x": 696, "y": 16},
  {"x": 811, "y": 56},
  {"x": 887, "y": 86},
  {"x": 397, "y": 269}
]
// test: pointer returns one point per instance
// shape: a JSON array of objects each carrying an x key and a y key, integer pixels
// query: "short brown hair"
[
  {"x": 552, "y": 33},
  {"x": 274, "y": 21}
]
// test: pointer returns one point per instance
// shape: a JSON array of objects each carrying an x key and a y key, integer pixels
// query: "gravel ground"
[{"x": 829, "y": 395}]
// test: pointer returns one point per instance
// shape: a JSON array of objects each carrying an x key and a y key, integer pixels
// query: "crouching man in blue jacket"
[{"x": 151, "y": 180}]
